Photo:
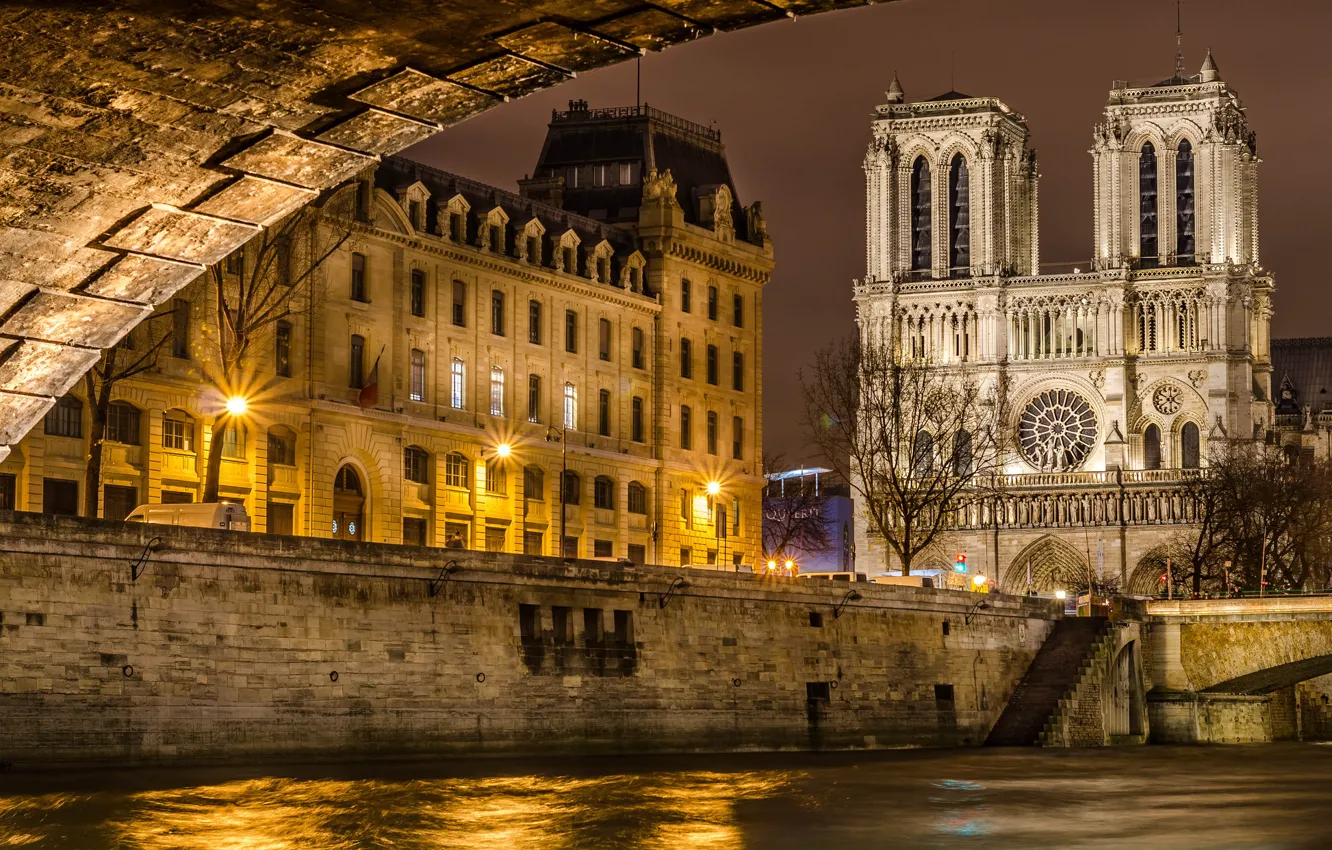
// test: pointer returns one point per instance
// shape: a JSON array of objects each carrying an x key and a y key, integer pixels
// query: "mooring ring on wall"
[
  {"x": 736, "y": 681},
  {"x": 480, "y": 677},
  {"x": 127, "y": 671},
  {"x": 833, "y": 684},
  {"x": 333, "y": 677}
]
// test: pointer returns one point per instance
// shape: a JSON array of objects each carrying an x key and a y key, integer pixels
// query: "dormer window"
[
  {"x": 534, "y": 250},
  {"x": 456, "y": 226},
  {"x": 414, "y": 213}
]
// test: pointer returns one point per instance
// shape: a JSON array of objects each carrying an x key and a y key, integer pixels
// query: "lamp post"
[
  {"x": 718, "y": 528},
  {"x": 564, "y": 471}
]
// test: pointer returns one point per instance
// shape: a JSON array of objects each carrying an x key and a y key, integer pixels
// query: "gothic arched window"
[
  {"x": 1151, "y": 448},
  {"x": 962, "y": 457},
  {"x": 1189, "y": 454},
  {"x": 922, "y": 454},
  {"x": 1147, "y": 206},
  {"x": 920, "y": 215},
  {"x": 959, "y": 218},
  {"x": 1184, "y": 244}
]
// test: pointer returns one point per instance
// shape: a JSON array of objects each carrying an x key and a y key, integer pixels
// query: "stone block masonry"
[{"x": 241, "y": 647}]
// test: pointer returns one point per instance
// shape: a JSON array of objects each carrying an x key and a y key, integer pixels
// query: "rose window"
[
  {"x": 1057, "y": 430},
  {"x": 1166, "y": 399}
]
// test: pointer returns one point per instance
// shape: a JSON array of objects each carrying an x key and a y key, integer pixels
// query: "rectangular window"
[
  {"x": 571, "y": 331},
  {"x": 356, "y": 363},
  {"x": 494, "y": 539},
  {"x": 533, "y": 398},
  {"x": 626, "y": 174},
  {"x": 8, "y": 492},
  {"x": 604, "y": 338},
  {"x": 117, "y": 502},
  {"x": 563, "y": 623},
  {"x": 570, "y": 407},
  {"x": 177, "y": 434},
  {"x": 638, "y": 554},
  {"x": 593, "y": 630},
  {"x": 282, "y": 349},
  {"x": 456, "y": 384},
  {"x": 638, "y": 356},
  {"x": 604, "y": 413},
  {"x": 738, "y": 310},
  {"x": 497, "y": 312},
  {"x": 735, "y": 519},
  {"x": 497, "y": 477},
  {"x": 686, "y": 556},
  {"x": 534, "y": 543},
  {"x": 686, "y": 427},
  {"x": 571, "y": 547},
  {"x": 738, "y": 371},
  {"x": 281, "y": 518},
  {"x": 60, "y": 497},
  {"x": 418, "y": 292},
  {"x": 737, "y": 438},
  {"x": 459, "y": 304},
  {"x": 281, "y": 450},
  {"x": 233, "y": 442},
  {"x": 713, "y": 368},
  {"x": 636, "y": 421},
  {"x": 534, "y": 322},
  {"x": 455, "y": 471},
  {"x": 637, "y": 498},
  {"x": 417, "y": 383},
  {"x": 686, "y": 358},
  {"x": 571, "y": 490},
  {"x": 122, "y": 424},
  {"x": 358, "y": 284},
  {"x": 684, "y": 295},
  {"x": 603, "y": 548},
  {"x": 414, "y": 531},
  {"x": 65, "y": 418},
  {"x": 712, "y": 303},
  {"x": 534, "y": 483},
  {"x": 180, "y": 328},
  {"x": 496, "y": 391},
  {"x": 712, "y": 432}
]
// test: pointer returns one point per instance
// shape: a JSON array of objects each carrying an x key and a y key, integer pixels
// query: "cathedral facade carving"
[{"x": 1119, "y": 374}]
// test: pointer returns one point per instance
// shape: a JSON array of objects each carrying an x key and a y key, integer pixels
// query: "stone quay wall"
[{"x": 243, "y": 647}]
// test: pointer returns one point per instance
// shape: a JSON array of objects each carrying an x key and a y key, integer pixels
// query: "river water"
[{"x": 1274, "y": 796}]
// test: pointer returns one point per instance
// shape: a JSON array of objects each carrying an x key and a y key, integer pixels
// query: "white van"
[
  {"x": 905, "y": 581},
  {"x": 227, "y": 515},
  {"x": 851, "y": 577}
]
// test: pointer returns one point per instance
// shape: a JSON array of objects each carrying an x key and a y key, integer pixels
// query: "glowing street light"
[
  {"x": 714, "y": 487},
  {"x": 772, "y": 566},
  {"x": 236, "y": 405},
  {"x": 1061, "y": 594},
  {"x": 979, "y": 581},
  {"x": 503, "y": 450}
]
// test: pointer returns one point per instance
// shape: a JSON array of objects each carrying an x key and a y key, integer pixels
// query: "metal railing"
[{"x": 616, "y": 113}]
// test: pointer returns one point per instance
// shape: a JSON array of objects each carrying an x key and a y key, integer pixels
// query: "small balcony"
[{"x": 283, "y": 479}]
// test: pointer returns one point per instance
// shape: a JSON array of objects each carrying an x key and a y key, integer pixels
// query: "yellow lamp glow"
[
  {"x": 789, "y": 563},
  {"x": 236, "y": 405},
  {"x": 772, "y": 565},
  {"x": 1060, "y": 594},
  {"x": 978, "y": 580},
  {"x": 503, "y": 450},
  {"x": 713, "y": 488}
]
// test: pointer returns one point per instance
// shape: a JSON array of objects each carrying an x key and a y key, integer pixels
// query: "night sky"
[{"x": 793, "y": 101}]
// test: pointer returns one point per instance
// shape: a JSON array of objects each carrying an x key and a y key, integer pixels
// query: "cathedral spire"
[
  {"x": 895, "y": 93},
  {"x": 1210, "y": 73},
  {"x": 1179, "y": 40}
]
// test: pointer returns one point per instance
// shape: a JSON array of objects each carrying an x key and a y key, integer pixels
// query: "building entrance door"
[{"x": 348, "y": 506}]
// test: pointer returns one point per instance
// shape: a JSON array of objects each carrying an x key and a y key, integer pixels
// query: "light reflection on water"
[{"x": 1235, "y": 797}]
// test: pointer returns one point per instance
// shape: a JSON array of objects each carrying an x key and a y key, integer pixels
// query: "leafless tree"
[
  {"x": 277, "y": 279},
  {"x": 133, "y": 355},
  {"x": 793, "y": 518},
  {"x": 918, "y": 442}
]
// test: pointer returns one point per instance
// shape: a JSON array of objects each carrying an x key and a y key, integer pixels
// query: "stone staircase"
[{"x": 1054, "y": 675}]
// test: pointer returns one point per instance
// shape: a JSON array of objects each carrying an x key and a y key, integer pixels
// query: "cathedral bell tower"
[
  {"x": 950, "y": 190},
  {"x": 1176, "y": 175}
]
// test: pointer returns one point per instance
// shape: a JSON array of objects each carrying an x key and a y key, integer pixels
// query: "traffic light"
[{"x": 961, "y": 564}]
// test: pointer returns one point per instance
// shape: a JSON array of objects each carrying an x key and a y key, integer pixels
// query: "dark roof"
[
  {"x": 951, "y": 95},
  {"x": 647, "y": 138},
  {"x": 1306, "y": 364}
]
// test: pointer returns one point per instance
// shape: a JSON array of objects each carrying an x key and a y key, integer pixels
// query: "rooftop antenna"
[
  {"x": 1179, "y": 40},
  {"x": 952, "y": 70}
]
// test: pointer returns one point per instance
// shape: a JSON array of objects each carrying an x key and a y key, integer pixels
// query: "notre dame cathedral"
[{"x": 1121, "y": 374}]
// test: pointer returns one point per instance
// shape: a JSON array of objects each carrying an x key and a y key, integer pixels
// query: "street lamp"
[
  {"x": 563, "y": 431},
  {"x": 714, "y": 488},
  {"x": 503, "y": 450},
  {"x": 236, "y": 405}
]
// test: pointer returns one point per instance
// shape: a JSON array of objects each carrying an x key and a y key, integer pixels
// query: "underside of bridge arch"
[
  {"x": 143, "y": 140},
  {"x": 1275, "y": 678}
]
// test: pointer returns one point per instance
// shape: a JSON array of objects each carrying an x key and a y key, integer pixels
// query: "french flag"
[{"x": 369, "y": 396}]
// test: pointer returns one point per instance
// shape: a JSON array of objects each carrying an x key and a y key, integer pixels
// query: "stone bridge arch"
[{"x": 156, "y": 138}]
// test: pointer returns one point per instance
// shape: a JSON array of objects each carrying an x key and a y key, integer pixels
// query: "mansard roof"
[{"x": 1306, "y": 365}]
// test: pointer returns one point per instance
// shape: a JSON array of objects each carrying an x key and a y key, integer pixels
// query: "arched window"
[
  {"x": 1184, "y": 243},
  {"x": 636, "y": 335},
  {"x": 570, "y": 407},
  {"x": 534, "y": 483},
  {"x": 1147, "y": 327},
  {"x": 571, "y": 489},
  {"x": 497, "y": 477},
  {"x": 922, "y": 453},
  {"x": 962, "y": 457},
  {"x": 1147, "y": 245},
  {"x": 1189, "y": 454},
  {"x": 959, "y": 218},
  {"x": 455, "y": 471},
  {"x": 281, "y": 446},
  {"x": 416, "y": 465},
  {"x": 122, "y": 423},
  {"x": 234, "y": 439},
  {"x": 1151, "y": 448},
  {"x": 348, "y": 505},
  {"x": 178, "y": 431},
  {"x": 637, "y": 498},
  {"x": 920, "y": 215},
  {"x": 418, "y": 375},
  {"x": 456, "y": 383},
  {"x": 603, "y": 493},
  {"x": 65, "y": 419}
]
